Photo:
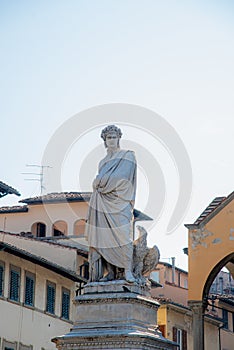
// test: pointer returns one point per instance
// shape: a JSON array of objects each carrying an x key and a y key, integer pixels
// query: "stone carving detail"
[{"x": 144, "y": 259}]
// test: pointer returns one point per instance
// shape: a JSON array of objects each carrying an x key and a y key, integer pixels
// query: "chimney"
[{"x": 173, "y": 269}]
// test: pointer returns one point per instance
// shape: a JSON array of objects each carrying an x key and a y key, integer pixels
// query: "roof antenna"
[{"x": 40, "y": 174}]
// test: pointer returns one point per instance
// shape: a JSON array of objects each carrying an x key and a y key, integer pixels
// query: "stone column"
[{"x": 198, "y": 324}]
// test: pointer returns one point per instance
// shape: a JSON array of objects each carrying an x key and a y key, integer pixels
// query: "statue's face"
[{"x": 112, "y": 140}]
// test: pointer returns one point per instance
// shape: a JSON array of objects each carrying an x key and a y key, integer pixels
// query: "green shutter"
[
  {"x": 50, "y": 305},
  {"x": 65, "y": 304},
  {"x": 14, "y": 285},
  {"x": 29, "y": 291}
]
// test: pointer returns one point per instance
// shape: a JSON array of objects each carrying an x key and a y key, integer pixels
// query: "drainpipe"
[
  {"x": 220, "y": 326},
  {"x": 173, "y": 269}
]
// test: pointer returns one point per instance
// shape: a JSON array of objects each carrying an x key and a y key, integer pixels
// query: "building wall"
[
  {"x": 171, "y": 318},
  {"x": 33, "y": 325},
  {"x": 211, "y": 336},
  {"x": 57, "y": 254},
  {"x": 223, "y": 283},
  {"x": 48, "y": 213},
  {"x": 208, "y": 245},
  {"x": 227, "y": 340},
  {"x": 227, "y": 331},
  {"x": 176, "y": 290}
]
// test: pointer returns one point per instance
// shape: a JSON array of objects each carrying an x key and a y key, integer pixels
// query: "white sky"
[{"x": 173, "y": 57}]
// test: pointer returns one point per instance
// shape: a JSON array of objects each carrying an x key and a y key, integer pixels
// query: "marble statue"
[
  {"x": 144, "y": 259},
  {"x": 110, "y": 215}
]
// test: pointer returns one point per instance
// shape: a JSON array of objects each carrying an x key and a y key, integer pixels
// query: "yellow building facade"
[{"x": 210, "y": 248}]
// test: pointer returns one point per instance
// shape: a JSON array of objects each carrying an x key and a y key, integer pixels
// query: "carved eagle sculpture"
[{"x": 144, "y": 259}]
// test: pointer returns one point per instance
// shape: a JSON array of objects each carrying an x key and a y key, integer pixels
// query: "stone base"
[
  {"x": 121, "y": 319},
  {"x": 117, "y": 286}
]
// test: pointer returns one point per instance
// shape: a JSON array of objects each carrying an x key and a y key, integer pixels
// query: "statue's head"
[{"x": 111, "y": 132}]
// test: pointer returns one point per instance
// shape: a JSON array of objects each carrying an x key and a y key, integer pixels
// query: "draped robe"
[{"x": 109, "y": 222}]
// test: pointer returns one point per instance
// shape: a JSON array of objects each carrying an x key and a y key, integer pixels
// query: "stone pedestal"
[{"x": 114, "y": 315}]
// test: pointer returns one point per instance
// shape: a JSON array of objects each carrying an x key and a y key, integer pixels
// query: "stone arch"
[
  {"x": 211, "y": 247},
  {"x": 227, "y": 262},
  {"x": 38, "y": 229},
  {"x": 59, "y": 228},
  {"x": 79, "y": 227}
]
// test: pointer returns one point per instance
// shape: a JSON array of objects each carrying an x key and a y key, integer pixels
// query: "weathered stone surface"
[
  {"x": 116, "y": 286},
  {"x": 137, "y": 341},
  {"x": 121, "y": 319}
]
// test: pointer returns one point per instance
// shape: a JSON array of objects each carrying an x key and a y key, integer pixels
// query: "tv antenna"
[{"x": 40, "y": 174}]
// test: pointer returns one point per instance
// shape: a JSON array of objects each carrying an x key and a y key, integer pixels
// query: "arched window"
[
  {"x": 60, "y": 228},
  {"x": 39, "y": 229},
  {"x": 79, "y": 227}
]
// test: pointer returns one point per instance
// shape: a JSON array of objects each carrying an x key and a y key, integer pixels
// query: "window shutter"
[
  {"x": 1, "y": 279},
  {"x": 29, "y": 290},
  {"x": 174, "y": 334},
  {"x": 14, "y": 285},
  {"x": 162, "y": 329},
  {"x": 50, "y": 305},
  {"x": 184, "y": 339},
  {"x": 65, "y": 304}
]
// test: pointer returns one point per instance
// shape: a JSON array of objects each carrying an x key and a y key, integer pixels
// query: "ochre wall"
[
  {"x": 208, "y": 245},
  {"x": 171, "y": 316}
]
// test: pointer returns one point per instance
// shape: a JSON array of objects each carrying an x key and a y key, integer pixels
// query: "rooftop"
[
  {"x": 170, "y": 266},
  {"x": 9, "y": 248},
  {"x": 14, "y": 209},
  {"x": 212, "y": 209},
  {"x": 62, "y": 197},
  {"x": 58, "y": 197},
  {"x": 5, "y": 189}
]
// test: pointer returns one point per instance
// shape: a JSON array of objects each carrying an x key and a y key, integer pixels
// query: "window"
[
  {"x": 14, "y": 293},
  {"x": 59, "y": 228},
  {"x": 65, "y": 304},
  {"x": 39, "y": 229},
  {"x": 29, "y": 289},
  {"x": 179, "y": 279},
  {"x": 225, "y": 318},
  {"x": 185, "y": 283},
  {"x": 50, "y": 298},
  {"x": 8, "y": 345},
  {"x": 180, "y": 337},
  {"x": 1, "y": 278},
  {"x": 25, "y": 347},
  {"x": 154, "y": 276},
  {"x": 84, "y": 270}
]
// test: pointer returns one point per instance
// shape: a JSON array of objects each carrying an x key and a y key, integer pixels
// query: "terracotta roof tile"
[
  {"x": 211, "y": 207},
  {"x": 58, "y": 197},
  {"x": 5, "y": 189},
  {"x": 9, "y": 248},
  {"x": 14, "y": 209}
]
